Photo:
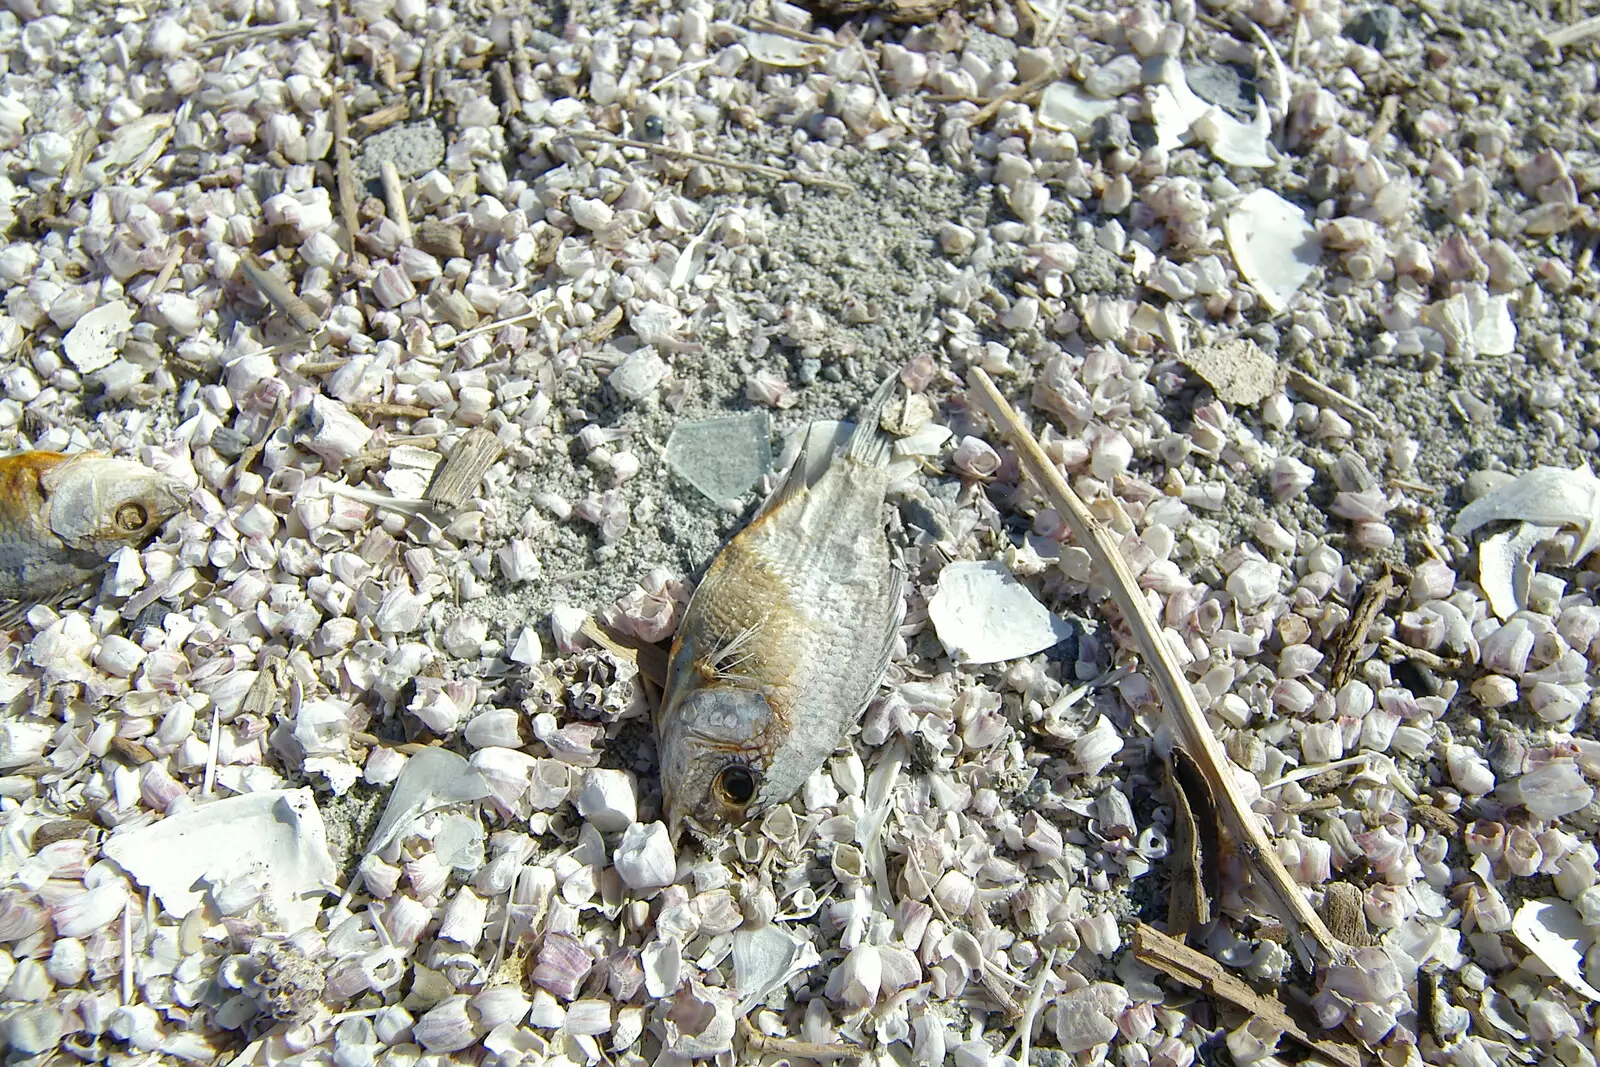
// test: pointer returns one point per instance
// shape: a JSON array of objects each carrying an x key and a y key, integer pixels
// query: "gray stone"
[
  {"x": 414, "y": 150},
  {"x": 723, "y": 457},
  {"x": 1224, "y": 85},
  {"x": 1377, "y": 27}
]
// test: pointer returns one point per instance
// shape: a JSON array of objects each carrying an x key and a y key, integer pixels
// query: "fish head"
[
  {"x": 99, "y": 504},
  {"x": 713, "y": 762}
]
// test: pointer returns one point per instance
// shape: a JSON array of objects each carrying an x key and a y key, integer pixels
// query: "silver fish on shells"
[{"x": 785, "y": 641}]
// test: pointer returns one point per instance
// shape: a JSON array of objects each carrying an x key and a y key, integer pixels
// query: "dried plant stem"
[
  {"x": 1016, "y": 92},
  {"x": 1576, "y": 33},
  {"x": 779, "y": 173},
  {"x": 257, "y": 33},
  {"x": 1199, "y": 971},
  {"x": 344, "y": 177},
  {"x": 383, "y": 117},
  {"x": 1193, "y": 730},
  {"x": 1332, "y": 397},
  {"x": 768, "y": 26},
  {"x": 394, "y": 197}
]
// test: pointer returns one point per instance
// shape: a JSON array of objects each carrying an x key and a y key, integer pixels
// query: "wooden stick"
[
  {"x": 1194, "y": 732},
  {"x": 394, "y": 196},
  {"x": 460, "y": 475},
  {"x": 1332, "y": 397},
  {"x": 1016, "y": 92},
  {"x": 387, "y": 115},
  {"x": 1198, "y": 971},
  {"x": 344, "y": 175},
  {"x": 717, "y": 161},
  {"x": 280, "y": 294}
]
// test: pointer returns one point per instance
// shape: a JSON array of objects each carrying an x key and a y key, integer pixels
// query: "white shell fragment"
[
  {"x": 764, "y": 960},
  {"x": 1066, "y": 106},
  {"x": 95, "y": 339},
  {"x": 431, "y": 779},
  {"x": 1546, "y": 496},
  {"x": 778, "y": 51},
  {"x": 1274, "y": 246},
  {"x": 277, "y": 834},
  {"x": 1180, "y": 114},
  {"x": 982, "y": 614},
  {"x": 1553, "y": 931},
  {"x": 1505, "y": 570}
]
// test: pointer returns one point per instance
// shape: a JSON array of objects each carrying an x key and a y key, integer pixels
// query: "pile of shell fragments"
[{"x": 327, "y": 774}]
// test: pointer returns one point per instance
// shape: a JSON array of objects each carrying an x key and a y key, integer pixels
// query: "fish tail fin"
[{"x": 868, "y": 443}]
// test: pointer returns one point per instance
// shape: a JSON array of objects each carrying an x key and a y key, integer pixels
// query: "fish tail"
[{"x": 868, "y": 443}]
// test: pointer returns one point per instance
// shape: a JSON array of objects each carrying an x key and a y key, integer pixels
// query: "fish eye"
[
  {"x": 736, "y": 784},
  {"x": 132, "y": 516}
]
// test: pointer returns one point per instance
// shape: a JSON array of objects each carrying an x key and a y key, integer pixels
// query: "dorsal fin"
[
  {"x": 794, "y": 479},
  {"x": 869, "y": 444}
]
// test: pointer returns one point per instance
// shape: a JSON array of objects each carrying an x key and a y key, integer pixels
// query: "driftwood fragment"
[
  {"x": 1347, "y": 643},
  {"x": 460, "y": 475},
  {"x": 1243, "y": 826},
  {"x": 1196, "y": 970},
  {"x": 1195, "y": 855},
  {"x": 904, "y": 12}
]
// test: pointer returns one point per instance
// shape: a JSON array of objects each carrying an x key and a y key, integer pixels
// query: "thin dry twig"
[
  {"x": 344, "y": 178},
  {"x": 1198, "y": 971},
  {"x": 1016, "y": 92},
  {"x": 779, "y": 173},
  {"x": 1331, "y": 396},
  {"x": 1577, "y": 33},
  {"x": 280, "y": 294},
  {"x": 759, "y": 1043},
  {"x": 768, "y": 26},
  {"x": 394, "y": 197},
  {"x": 1347, "y": 643},
  {"x": 1194, "y": 733},
  {"x": 229, "y": 38},
  {"x": 385, "y": 116}
]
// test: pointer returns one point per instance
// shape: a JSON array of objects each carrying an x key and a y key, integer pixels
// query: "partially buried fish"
[
  {"x": 784, "y": 642},
  {"x": 61, "y": 516}
]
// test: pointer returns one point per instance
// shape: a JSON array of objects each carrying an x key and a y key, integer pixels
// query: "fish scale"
[{"x": 784, "y": 642}]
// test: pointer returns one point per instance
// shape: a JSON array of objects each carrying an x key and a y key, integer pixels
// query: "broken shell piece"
[
  {"x": 778, "y": 51},
  {"x": 1065, "y": 106},
  {"x": 700, "y": 1022},
  {"x": 982, "y": 614},
  {"x": 1553, "y": 931},
  {"x": 722, "y": 457},
  {"x": 1547, "y": 496},
  {"x": 1179, "y": 114},
  {"x": 279, "y": 832},
  {"x": 95, "y": 339},
  {"x": 1505, "y": 570},
  {"x": 1274, "y": 246},
  {"x": 764, "y": 960}
]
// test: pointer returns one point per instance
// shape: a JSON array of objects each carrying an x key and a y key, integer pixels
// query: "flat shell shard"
[
  {"x": 431, "y": 779},
  {"x": 1545, "y": 496},
  {"x": 279, "y": 832},
  {"x": 96, "y": 338},
  {"x": 1237, "y": 370},
  {"x": 1179, "y": 114},
  {"x": 1066, "y": 106},
  {"x": 982, "y": 614},
  {"x": 460, "y": 475},
  {"x": 1553, "y": 931},
  {"x": 722, "y": 457},
  {"x": 764, "y": 960},
  {"x": 778, "y": 51},
  {"x": 1274, "y": 246},
  {"x": 1505, "y": 570}
]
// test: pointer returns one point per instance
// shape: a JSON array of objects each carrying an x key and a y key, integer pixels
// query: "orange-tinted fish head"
[{"x": 99, "y": 504}]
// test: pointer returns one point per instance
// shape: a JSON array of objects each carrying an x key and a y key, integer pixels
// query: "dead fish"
[
  {"x": 785, "y": 640},
  {"x": 61, "y": 516}
]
